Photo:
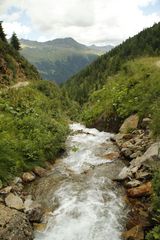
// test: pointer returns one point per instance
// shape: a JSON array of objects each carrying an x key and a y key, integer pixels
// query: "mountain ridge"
[
  {"x": 60, "y": 58},
  {"x": 145, "y": 43}
]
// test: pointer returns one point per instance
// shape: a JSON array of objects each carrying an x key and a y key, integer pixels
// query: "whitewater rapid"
[{"x": 90, "y": 207}]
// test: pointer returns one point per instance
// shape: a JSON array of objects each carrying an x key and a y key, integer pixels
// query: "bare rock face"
[
  {"x": 14, "y": 201},
  {"x": 143, "y": 190},
  {"x": 14, "y": 225},
  {"x": 130, "y": 123},
  {"x": 28, "y": 177}
]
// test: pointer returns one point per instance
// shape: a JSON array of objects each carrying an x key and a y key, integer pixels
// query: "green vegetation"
[
  {"x": 93, "y": 77},
  {"x": 154, "y": 234},
  {"x": 2, "y": 34},
  {"x": 15, "y": 42},
  {"x": 33, "y": 127},
  {"x": 135, "y": 89}
]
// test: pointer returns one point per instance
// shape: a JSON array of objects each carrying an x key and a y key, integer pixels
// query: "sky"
[{"x": 99, "y": 22}]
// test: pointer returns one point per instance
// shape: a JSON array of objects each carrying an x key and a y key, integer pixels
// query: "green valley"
[
  {"x": 59, "y": 59},
  {"x": 119, "y": 92}
]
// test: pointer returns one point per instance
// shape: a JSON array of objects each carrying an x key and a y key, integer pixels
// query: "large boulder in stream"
[{"x": 14, "y": 225}]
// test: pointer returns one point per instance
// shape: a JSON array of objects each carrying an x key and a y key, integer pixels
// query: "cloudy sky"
[{"x": 88, "y": 21}]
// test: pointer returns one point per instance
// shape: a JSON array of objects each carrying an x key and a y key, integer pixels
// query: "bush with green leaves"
[
  {"x": 135, "y": 89},
  {"x": 33, "y": 127}
]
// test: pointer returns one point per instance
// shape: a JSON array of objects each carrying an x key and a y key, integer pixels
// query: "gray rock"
[
  {"x": 6, "y": 190},
  {"x": 14, "y": 201},
  {"x": 136, "y": 154},
  {"x": 126, "y": 151},
  {"x": 28, "y": 177},
  {"x": 17, "y": 180},
  {"x": 150, "y": 158},
  {"x": 124, "y": 174},
  {"x": 143, "y": 175},
  {"x": 145, "y": 122},
  {"x": 133, "y": 183},
  {"x": 152, "y": 152},
  {"x": 39, "y": 171},
  {"x": 33, "y": 210},
  {"x": 14, "y": 225}
]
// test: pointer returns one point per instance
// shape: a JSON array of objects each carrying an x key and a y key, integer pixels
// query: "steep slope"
[
  {"x": 33, "y": 116},
  {"x": 61, "y": 58},
  {"x": 13, "y": 67},
  {"x": 146, "y": 43}
]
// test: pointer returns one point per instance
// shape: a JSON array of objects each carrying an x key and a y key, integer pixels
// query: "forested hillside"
[{"x": 146, "y": 43}]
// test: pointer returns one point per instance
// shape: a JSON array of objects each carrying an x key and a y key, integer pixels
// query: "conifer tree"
[
  {"x": 2, "y": 34},
  {"x": 15, "y": 42}
]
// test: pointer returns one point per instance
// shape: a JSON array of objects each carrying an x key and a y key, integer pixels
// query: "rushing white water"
[{"x": 90, "y": 208}]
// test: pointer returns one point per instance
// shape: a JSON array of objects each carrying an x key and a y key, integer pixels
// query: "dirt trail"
[{"x": 20, "y": 84}]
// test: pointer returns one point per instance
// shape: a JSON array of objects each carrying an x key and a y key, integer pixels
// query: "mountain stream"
[{"x": 84, "y": 202}]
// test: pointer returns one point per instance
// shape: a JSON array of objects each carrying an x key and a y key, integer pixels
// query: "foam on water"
[{"x": 89, "y": 209}]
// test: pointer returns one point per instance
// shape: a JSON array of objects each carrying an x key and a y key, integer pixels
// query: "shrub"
[{"x": 33, "y": 127}]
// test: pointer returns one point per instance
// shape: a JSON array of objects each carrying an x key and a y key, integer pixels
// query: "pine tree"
[
  {"x": 2, "y": 34},
  {"x": 15, "y": 42}
]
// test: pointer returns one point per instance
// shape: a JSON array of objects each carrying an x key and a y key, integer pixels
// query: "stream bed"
[{"x": 82, "y": 200}]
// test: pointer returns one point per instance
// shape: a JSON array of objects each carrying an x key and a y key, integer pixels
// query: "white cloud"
[
  {"x": 21, "y": 30},
  {"x": 88, "y": 21}
]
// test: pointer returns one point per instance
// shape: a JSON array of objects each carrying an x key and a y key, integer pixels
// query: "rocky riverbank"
[
  {"x": 18, "y": 210},
  {"x": 142, "y": 158}
]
